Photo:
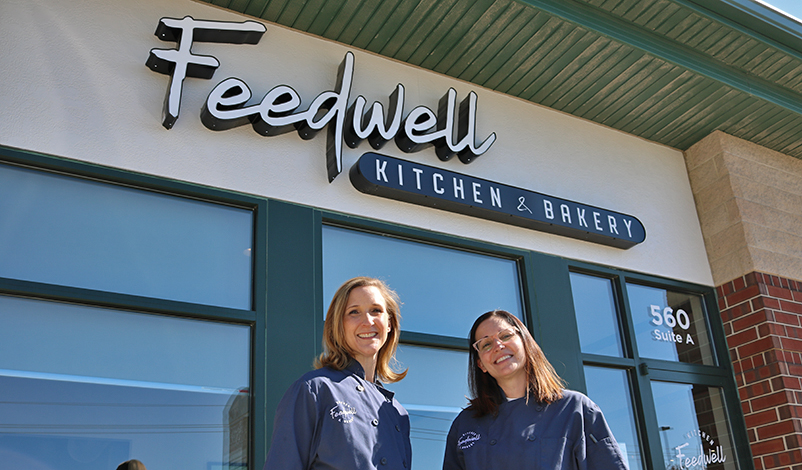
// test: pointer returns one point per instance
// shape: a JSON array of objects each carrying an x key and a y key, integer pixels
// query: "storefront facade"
[{"x": 174, "y": 221}]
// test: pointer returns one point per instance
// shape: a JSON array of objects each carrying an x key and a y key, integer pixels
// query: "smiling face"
[
  {"x": 365, "y": 325},
  {"x": 504, "y": 361}
]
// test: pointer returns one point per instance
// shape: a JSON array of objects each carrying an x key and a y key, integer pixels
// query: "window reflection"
[
  {"x": 434, "y": 392},
  {"x": 58, "y": 423},
  {"x": 80, "y": 233},
  {"x": 442, "y": 290},
  {"x": 88, "y": 388},
  {"x": 669, "y": 325},
  {"x": 694, "y": 431},
  {"x": 596, "y": 315},
  {"x": 609, "y": 388}
]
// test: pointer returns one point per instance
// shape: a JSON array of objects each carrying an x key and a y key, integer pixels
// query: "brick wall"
[{"x": 762, "y": 317}]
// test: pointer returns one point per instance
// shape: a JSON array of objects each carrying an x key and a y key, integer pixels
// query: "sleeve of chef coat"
[
  {"x": 453, "y": 458},
  {"x": 295, "y": 430},
  {"x": 599, "y": 451}
]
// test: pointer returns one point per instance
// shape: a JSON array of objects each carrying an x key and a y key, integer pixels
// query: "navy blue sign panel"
[{"x": 393, "y": 178}]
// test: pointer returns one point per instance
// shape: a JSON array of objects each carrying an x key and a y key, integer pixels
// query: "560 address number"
[{"x": 669, "y": 318}]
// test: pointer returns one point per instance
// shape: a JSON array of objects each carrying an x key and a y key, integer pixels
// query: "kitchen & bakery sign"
[{"x": 451, "y": 131}]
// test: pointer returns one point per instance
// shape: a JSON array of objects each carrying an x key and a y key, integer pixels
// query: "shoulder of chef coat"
[
  {"x": 295, "y": 427},
  {"x": 598, "y": 449},
  {"x": 296, "y": 438}
]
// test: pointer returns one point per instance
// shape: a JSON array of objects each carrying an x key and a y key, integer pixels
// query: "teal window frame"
[
  {"x": 295, "y": 275},
  {"x": 641, "y": 371}
]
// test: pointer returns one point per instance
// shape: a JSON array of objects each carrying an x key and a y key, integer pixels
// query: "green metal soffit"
[{"x": 670, "y": 71}]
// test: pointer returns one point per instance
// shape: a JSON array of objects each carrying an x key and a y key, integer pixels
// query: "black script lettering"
[
  {"x": 276, "y": 113},
  {"x": 334, "y": 142},
  {"x": 413, "y": 136},
  {"x": 224, "y": 108},
  {"x": 419, "y": 120},
  {"x": 181, "y": 63},
  {"x": 373, "y": 125}
]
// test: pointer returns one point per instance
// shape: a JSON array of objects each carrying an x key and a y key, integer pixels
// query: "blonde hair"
[{"x": 336, "y": 353}]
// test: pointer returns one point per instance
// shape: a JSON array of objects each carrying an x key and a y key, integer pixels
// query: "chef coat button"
[
  {"x": 493, "y": 442},
  {"x": 375, "y": 422},
  {"x": 531, "y": 437},
  {"x": 359, "y": 388},
  {"x": 384, "y": 461},
  {"x": 539, "y": 408},
  {"x": 398, "y": 428},
  {"x": 404, "y": 463}
]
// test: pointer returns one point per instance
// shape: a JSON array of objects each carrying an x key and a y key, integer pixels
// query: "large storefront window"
[
  {"x": 76, "y": 232},
  {"x": 127, "y": 320},
  {"x": 442, "y": 290},
  {"x": 86, "y": 388}
]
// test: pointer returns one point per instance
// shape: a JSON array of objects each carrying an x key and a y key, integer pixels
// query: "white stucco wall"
[{"x": 73, "y": 83}]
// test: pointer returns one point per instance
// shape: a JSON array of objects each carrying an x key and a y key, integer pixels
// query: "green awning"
[{"x": 670, "y": 71}]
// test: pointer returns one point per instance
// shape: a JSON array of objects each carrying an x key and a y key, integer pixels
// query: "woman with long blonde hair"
[{"x": 340, "y": 415}]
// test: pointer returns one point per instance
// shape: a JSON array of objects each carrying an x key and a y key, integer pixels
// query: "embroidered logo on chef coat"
[
  {"x": 342, "y": 412},
  {"x": 468, "y": 439}
]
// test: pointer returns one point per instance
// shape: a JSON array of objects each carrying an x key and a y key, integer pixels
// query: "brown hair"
[
  {"x": 131, "y": 465},
  {"x": 543, "y": 382},
  {"x": 336, "y": 353}
]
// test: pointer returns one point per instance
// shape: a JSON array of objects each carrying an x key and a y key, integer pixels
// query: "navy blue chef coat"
[
  {"x": 569, "y": 434},
  {"x": 332, "y": 419}
]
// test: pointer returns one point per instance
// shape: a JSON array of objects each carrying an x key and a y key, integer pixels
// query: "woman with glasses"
[
  {"x": 521, "y": 416},
  {"x": 340, "y": 415}
]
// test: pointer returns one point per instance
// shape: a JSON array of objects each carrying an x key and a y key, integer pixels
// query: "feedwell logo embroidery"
[
  {"x": 342, "y": 412},
  {"x": 467, "y": 440}
]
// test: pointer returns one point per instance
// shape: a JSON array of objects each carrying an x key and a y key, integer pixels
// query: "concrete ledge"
[{"x": 749, "y": 202}]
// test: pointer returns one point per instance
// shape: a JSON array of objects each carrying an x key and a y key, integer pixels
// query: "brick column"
[
  {"x": 762, "y": 317},
  {"x": 749, "y": 201}
]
